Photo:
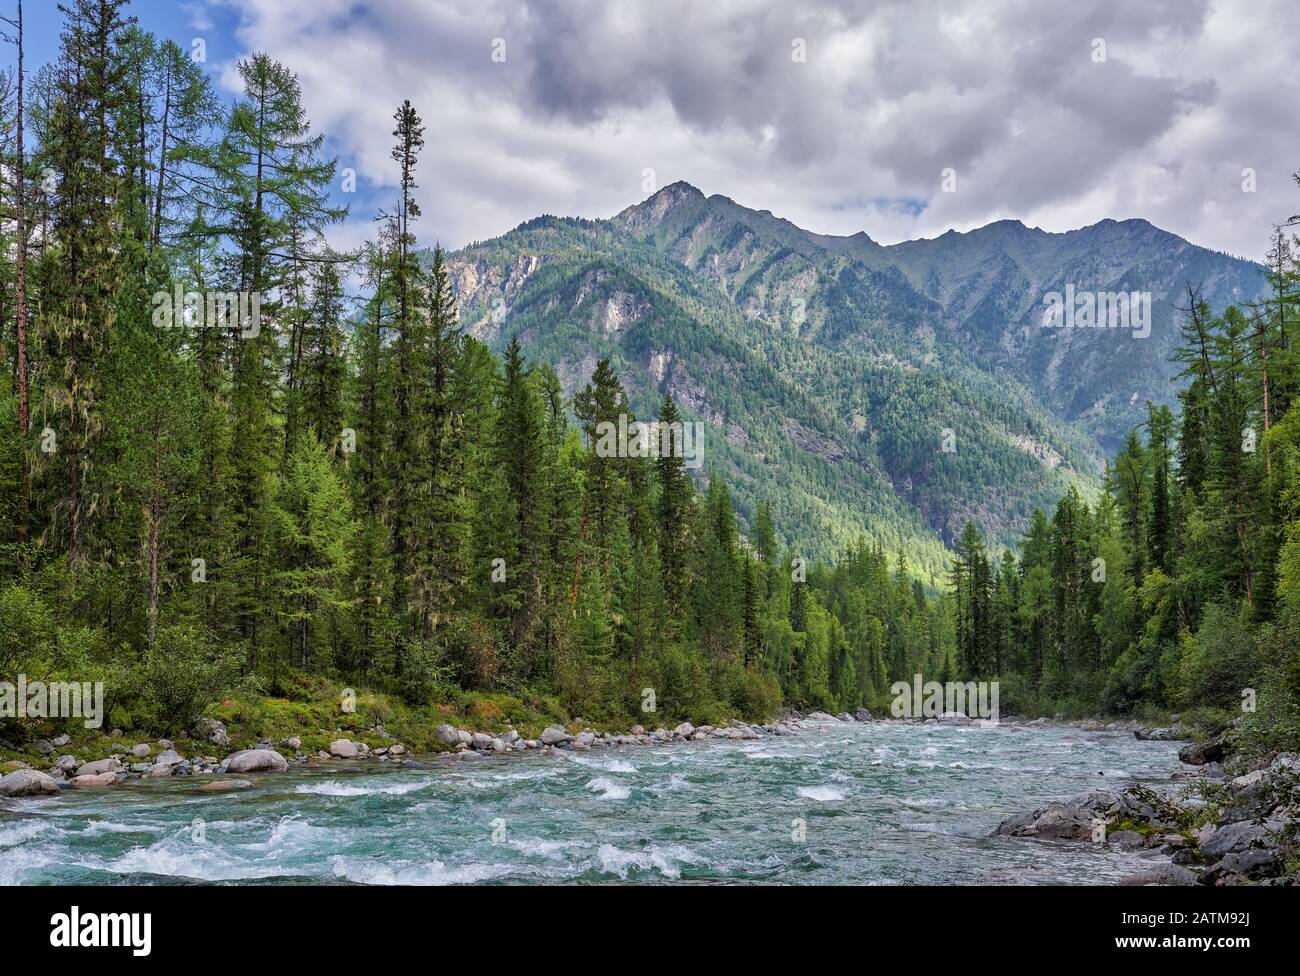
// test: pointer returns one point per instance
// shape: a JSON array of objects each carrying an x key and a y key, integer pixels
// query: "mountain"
[{"x": 887, "y": 391}]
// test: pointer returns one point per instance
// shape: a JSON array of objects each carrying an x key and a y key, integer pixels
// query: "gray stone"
[
  {"x": 171, "y": 757},
  {"x": 28, "y": 782},
  {"x": 158, "y": 771},
  {"x": 684, "y": 730},
  {"x": 97, "y": 767},
  {"x": 447, "y": 734},
  {"x": 343, "y": 749},
  {"x": 1162, "y": 874},
  {"x": 555, "y": 735},
  {"x": 256, "y": 761},
  {"x": 225, "y": 785}
]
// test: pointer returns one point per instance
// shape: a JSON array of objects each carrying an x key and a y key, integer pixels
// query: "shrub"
[{"x": 182, "y": 675}]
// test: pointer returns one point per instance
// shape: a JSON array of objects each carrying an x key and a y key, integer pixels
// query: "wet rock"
[
  {"x": 862, "y": 715},
  {"x": 1124, "y": 838},
  {"x": 1161, "y": 874},
  {"x": 94, "y": 779},
  {"x": 225, "y": 785},
  {"x": 1170, "y": 734},
  {"x": 1210, "y": 751}
]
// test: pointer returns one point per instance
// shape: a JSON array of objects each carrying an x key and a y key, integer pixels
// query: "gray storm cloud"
[{"x": 1011, "y": 96}]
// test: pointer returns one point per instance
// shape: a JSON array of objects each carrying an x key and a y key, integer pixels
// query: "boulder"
[
  {"x": 447, "y": 734},
  {"x": 158, "y": 770},
  {"x": 94, "y": 779},
  {"x": 481, "y": 741},
  {"x": 1170, "y": 734},
  {"x": 636, "y": 730},
  {"x": 396, "y": 749},
  {"x": 344, "y": 749},
  {"x": 225, "y": 785},
  {"x": 213, "y": 731},
  {"x": 256, "y": 761},
  {"x": 97, "y": 767},
  {"x": 293, "y": 742},
  {"x": 60, "y": 740},
  {"x": 554, "y": 735},
  {"x": 140, "y": 750},
  {"x": 1235, "y": 838},
  {"x": 684, "y": 730},
  {"x": 862, "y": 715},
  {"x": 170, "y": 757},
  {"x": 43, "y": 746},
  {"x": 28, "y": 782},
  {"x": 1200, "y": 753},
  {"x": 66, "y": 764}
]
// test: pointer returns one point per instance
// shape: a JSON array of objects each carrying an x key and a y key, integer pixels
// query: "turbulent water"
[{"x": 884, "y": 803}]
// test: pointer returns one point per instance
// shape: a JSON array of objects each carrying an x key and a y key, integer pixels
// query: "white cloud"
[{"x": 591, "y": 93}]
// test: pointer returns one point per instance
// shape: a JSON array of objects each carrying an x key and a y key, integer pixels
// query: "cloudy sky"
[{"x": 840, "y": 116}]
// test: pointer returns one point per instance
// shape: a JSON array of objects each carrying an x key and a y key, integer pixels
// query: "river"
[{"x": 841, "y": 803}]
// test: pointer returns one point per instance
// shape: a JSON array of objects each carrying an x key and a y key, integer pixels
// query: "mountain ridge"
[{"x": 848, "y": 361}]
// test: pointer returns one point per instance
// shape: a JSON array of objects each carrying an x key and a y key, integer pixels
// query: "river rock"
[
  {"x": 343, "y": 749},
  {"x": 225, "y": 785},
  {"x": 684, "y": 730},
  {"x": 1235, "y": 838},
  {"x": 96, "y": 768},
  {"x": 60, "y": 740},
  {"x": 94, "y": 779},
  {"x": 447, "y": 734},
  {"x": 1170, "y": 734},
  {"x": 554, "y": 735},
  {"x": 862, "y": 715},
  {"x": 28, "y": 782},
  {"x": 214, "y": 731},
  {"x": 396, "y": 749},
  {"x": 1161, "y": 874},
  {"x": 293, "y": 742},
  {"x": 158, "y": 770},
  {"x": 66, "y": 764},
  {"x": 636, "y": 730},
  {"x": 170, "y": 757},
  {"x": 481, "y": 741},
  {"x": 43, "y": 746},
  {"x": 141, "y": 749},
  {"x": 1201, "y": 753},
  {"x": 256, "y": 761}
]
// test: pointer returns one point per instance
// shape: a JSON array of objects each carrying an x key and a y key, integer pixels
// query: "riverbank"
[{"x": 1232, "y": 820}]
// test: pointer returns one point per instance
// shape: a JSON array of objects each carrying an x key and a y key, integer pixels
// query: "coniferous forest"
[{"x": 339, "y": 488}]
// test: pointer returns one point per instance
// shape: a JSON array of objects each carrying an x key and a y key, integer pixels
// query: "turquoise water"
[{"x": 883, "y": 803}]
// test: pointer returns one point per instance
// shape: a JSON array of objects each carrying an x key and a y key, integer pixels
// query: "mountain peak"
[{"x": 654, "y": 208}]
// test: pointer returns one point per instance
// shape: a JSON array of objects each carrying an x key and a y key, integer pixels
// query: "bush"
[
  {"x": 181, "y": 676},
  {"x": 754, "y": 694}
]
